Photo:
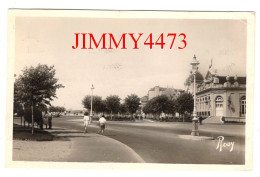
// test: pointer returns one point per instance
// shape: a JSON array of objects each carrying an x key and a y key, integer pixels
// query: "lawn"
[{"x": 25, "y": 133}]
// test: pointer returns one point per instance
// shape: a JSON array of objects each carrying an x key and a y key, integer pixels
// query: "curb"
[{"x": 190, "y": 137}]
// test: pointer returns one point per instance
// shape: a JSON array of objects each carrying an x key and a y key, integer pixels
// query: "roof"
[
  {"x": 240, "y": 80},
  {"x": 160, "y": 88},
  {"x": 190, "y": 79},
  {"x": 166, "y": 89}
]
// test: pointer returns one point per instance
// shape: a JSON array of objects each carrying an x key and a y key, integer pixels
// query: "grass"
[{"x": 25, "y": 133}]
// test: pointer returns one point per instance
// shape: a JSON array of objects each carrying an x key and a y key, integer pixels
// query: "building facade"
[{"x": 222, "y": 96}]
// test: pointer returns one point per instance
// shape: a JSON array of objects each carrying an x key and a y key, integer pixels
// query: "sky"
[{"x": 49, "y": 40}]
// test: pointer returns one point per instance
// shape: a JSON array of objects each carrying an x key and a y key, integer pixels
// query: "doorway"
[{"x": 219, "y": 106}]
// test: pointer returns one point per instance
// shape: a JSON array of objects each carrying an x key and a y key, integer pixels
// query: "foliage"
[
  {"x": 148, "y": 108},
  {"x": 18, "y": 95},
  {"x": 18, "y": 108},
  {"x": 98, "y": 105},
  {"x": 36, "y": 85},
  {"x": 112, "y": 103},
  {"x": 132, "y": 103},
  {"x": 122, "y": 108},
  {"x": 57, "y": 109},
  {"x": 185, "y": 103},
  {"x": 160, "y": 104},
  {"x": 171, "y": 107},
  {"x": 37, "y": 115},
  {"x": 42, "y": 107}
]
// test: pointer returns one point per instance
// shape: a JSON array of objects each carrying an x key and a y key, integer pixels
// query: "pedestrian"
[
  {"x": 134, "y": 117},
  {"x": 102, "y": 124},
  {"x": 200, "y": 120},
  {"x": 86, "y": 122}
]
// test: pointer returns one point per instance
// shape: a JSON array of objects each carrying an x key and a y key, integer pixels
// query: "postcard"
[{"x": 130, "y": 89}]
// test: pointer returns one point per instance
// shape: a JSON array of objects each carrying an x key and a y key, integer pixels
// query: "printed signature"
[{"x": 222, "y": 145}]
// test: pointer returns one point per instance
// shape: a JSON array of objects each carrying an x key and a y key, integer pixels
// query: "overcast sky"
[{"x": 123, "y": 72}]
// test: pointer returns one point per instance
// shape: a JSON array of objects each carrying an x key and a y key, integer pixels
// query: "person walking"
[
  {"x": 102, "y": 124},
  {"x": 86, "y": 122}
]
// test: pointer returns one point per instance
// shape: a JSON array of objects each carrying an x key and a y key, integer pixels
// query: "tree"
[
  {"x": 122, "y": 108},
  {"x": 185, "y": 103},
  {"x": 148, "y": 107},
  {"x": 42, "y": 107},
  {"x": 37, "y": 85},
  {"x": 171, "y": 106},
  {"x": 112, "y": 104},
  {"x": 132, "y": 103},
  {"x": 36, "y": 113},
  {"x": 160, "y": 104},
  {"x": 18, "y": 99},
  {"x": 98, "y": 104},
  {"x": 18, "y": 109}
]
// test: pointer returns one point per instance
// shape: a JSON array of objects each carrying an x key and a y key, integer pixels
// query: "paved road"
[{"x": 160, "y": 142}]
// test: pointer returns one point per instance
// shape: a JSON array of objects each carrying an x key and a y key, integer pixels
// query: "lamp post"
[
  {"x": 195, "y": 120},
  {"x": 91, "y": 102}
]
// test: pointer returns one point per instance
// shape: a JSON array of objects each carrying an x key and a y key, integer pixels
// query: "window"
[{"x": 243, "y": 106}]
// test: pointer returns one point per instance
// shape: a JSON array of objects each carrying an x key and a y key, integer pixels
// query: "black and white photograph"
[{"x": 130, "y": 87}]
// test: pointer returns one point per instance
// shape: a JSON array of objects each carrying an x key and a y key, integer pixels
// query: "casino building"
[{"x": 221, "y": 98}]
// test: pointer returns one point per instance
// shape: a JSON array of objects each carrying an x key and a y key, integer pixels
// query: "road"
[{"x": 160, "y": 142}]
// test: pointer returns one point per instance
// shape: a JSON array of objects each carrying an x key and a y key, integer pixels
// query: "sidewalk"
[{"x": 74, "y": 146}]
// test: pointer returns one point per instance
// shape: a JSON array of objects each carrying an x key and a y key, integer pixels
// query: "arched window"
[
  {"x": 243, "y": 106},
  {"x": 219, "y": 99}
]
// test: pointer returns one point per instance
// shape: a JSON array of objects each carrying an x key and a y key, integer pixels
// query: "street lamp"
[
  {"x": 91, "y": 111},
  {"x": 195, "y": 120}
]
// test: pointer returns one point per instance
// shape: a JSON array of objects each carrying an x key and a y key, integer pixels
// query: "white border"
[
  {"x": 220, "y": 5},
  {"x": 132, "y": 14}
]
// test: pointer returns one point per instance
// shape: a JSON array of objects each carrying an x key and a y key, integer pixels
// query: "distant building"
[
  {"x": 221, "y": 97},
  {"x": 157, "y": 91}
]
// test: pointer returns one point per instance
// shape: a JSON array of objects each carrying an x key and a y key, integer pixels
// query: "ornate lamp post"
[
  {"x": 91, "y": 112},
  {"x": 195, "y": 120}
]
